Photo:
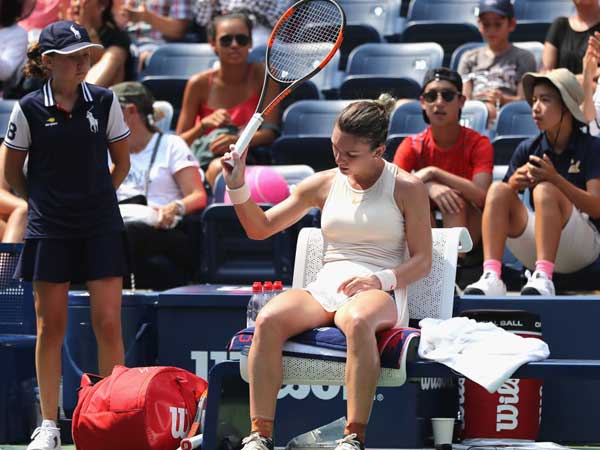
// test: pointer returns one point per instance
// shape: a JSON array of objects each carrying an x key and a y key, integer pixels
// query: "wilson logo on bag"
[{"x": 148, "y": 408}]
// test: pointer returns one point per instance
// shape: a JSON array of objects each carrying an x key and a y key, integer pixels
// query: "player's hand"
[
  {"x": 216, "y": 119},
  {"x": 221, "y": 143},
  {"x": 448, "y": 200},
  {"x": 234, "y": 176},
  {"x": 355, "y": 285}
]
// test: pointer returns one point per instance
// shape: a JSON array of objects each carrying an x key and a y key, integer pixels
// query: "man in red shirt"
[{"x": 454, "y": 162}]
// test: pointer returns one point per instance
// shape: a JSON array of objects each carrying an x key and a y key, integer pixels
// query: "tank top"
[
  {"x": 240, "y": 114},
  {"x": 364, "y": 226}
]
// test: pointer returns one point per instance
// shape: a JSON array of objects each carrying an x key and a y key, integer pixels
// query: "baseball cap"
[
  {"x": 501, "y": 7},
  {"x": 64, "y": 37},
  {"x": 136, "y": 93},
  {"x": 441, "y": 74}
]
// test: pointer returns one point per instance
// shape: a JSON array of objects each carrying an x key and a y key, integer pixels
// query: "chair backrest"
[
  {"x": 543, "y": 10},
  {"x": 399, "y": 60},
  {"x": 6, "y": 107},
  {"x": 312, "y": 117},
  {"x": 432, "y": 296},
  {"x": 372, "y": 86},
  {"x": 474, "y": 115},
  {"x": 515, "y": 119},
  {"x": 17, "y": 314},
  {"x": 444, "y": 10},
  {"x": 180, "y": 59},
  {"x": 460, "y": 51},
  {"x": 380, "y": 14},
  {"x": 535, "y": 47},
  {"x": 407, "y": 119}
]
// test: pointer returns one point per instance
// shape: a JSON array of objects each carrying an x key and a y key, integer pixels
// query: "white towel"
[{"x": 482, "y": 352}]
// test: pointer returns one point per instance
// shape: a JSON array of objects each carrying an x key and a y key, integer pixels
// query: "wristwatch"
[{"x": 180, "y": 207}]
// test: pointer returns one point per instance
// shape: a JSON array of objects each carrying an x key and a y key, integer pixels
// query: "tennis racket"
[{"x": 301, "y": 44}]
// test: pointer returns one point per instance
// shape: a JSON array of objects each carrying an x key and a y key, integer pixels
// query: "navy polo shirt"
[
  {"x": 578, "y": 163},
  {"x": 68, "y": 180}
]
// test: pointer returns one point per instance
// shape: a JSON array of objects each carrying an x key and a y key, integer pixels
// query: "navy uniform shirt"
[
  {"x": 70, "y": 190},
  {"x": 578, "y": 163}
]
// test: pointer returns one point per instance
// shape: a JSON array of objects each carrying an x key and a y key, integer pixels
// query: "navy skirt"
[{"x": 73, "y": 260}]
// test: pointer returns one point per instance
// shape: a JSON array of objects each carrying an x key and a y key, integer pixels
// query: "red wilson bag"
[{"x": 144, "y": 408}]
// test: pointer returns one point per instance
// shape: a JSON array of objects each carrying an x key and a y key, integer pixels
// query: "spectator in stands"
[
  {"x": 591, "y": 89},
  {"x": 562, "y": 169},
  {"x": 263, "y": 14},
  {"x": 567, "y": 38},
  {"x": 113, "y": 63},
  {"x": 13, "y": 46},
  {"x": 453, "y": 161},
  {"x": 218, "y": 103},
  {"x": 13, "y": 211},
  {"x": 155, "y": 21},
  {"x": 365, "y": 259},
  {"x": 74, "y": 232},
  {"x": 43, "y": 12},
  {"x": 166, "y": 174},
  {"x": 492, "y": 73}
]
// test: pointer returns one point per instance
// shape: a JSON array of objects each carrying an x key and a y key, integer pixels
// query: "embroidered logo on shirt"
[
  {"x": 92, "y": 120},
  {"x": 574, "y": 167},
  {"x": 75, "y": 31},
  {"x": 50, "y": 122}
]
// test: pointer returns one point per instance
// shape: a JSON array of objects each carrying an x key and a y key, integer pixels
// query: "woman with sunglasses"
[
  {"x": 218, "y": 103},
  {"x": 453, "y": 161}
]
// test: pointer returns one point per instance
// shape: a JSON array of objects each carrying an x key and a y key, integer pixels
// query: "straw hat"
[{"x": 570, "y": 90}]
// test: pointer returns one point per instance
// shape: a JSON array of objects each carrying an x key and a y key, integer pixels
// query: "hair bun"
[{"x": 386, "y": 102}]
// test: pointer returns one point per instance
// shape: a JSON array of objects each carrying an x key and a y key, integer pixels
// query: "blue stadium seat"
[
  {"x": 449, "y": 22},
  {"x": 514, "y": 124},
  {"x": 535, "y": 16},
  {"x": 180, "y": 59},
  {"x": 6, "y": 107},
  {"x": 306, "y": 134},
  {"x": 459, "y": 52},
  {"x": 474, "y": 116},
  {"x": 169, "y": 88},
  {"x": 398, "y": 60},
  {"x": 382, "y": 15},
  {"x": 535, "y": 47},
  {"x": 306, "y": 91},
  {"x": 371, "y": 86},
  {"x": 356, "y": 35}
]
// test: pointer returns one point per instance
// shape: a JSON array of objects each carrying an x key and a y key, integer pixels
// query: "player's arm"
[
  {"x": 473, "y": 190},
  {"x": 13, "y": 169}
]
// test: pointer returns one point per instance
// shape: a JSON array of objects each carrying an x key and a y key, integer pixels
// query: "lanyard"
[{"x": 152, "y": 158}]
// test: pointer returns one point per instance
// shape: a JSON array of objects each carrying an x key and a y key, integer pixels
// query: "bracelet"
[
  {"x": 387, "y": 278},
  {"x": 239, "y": 195},
  {"x": 180, "y": 207}
]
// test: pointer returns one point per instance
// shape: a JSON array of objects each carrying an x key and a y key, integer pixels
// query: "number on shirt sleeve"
[{"x": 18, "y": 136}]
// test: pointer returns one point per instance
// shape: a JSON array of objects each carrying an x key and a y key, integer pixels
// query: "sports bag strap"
[{"x": 189, "y": 405}]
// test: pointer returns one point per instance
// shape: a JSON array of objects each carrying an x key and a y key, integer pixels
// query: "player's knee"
[
  {"x": 51, "y": 329},
  {"x": 356, "y": 326},
  {"x": 108, "y": 329},
  {"x": 545, "y": 191},
  {"x": 268, "y": 326}
]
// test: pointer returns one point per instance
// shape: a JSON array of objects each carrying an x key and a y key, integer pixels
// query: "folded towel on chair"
[{"x": 329, "y": 343}]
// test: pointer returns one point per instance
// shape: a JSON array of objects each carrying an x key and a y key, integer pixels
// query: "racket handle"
[
  {"x": 192, "y": 443},
  {"x": 252, "y": 127}
]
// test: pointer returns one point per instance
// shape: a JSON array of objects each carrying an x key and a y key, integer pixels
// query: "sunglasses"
[
  {"x": 447, "y": 95},
  {"x": 227, "y": 39}
]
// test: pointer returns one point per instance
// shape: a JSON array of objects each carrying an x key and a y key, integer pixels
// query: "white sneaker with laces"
[
  {"x": 45, "y": 438},
  {"x": 256, "y": 442},
  {"x": 488, "y": 284},
  {"x": 349, "y": 442},
  {"x": 538, "y": 284}
]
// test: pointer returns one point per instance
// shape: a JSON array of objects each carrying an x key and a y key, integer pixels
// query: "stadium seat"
[
  {"x": 371, "y": 86},
  {"x": 356, "y": 35},
  {"x": 168, "y": 88},
  {"x": 449, "y": 22},
  {"x": 514, "y": 124},
  {"x": 180, "y": 59},
  {"x": 382, "y": 15},
  {"x": 536, "y": 48},
  {"x": 535, "y": 16},
  {"x": 6, "y": 107},
  {"x": 306, "y": 134},
  {"x": 398, "y": 60},
  {"x": 474, "y": 116}
]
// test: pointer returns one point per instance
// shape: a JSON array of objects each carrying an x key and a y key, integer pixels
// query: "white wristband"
[
  {"x": 387, "y": 278},
  {"x": 239, "y": 195}
]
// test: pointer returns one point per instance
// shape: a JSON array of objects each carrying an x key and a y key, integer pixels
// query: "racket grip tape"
[{"x": 244, "y": 140}]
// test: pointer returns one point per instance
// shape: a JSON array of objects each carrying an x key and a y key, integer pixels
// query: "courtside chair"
[
  {"x": 432, "y": 296},
  {"x": 6, "y": 107},
  {"x": 306, "y": 134},
  {"x": 534, "y": 17},
  {"x": 514, "y": 125},
  {"x": 449, "y": 22},
  {"x": 180, "y": 59},
  {"x": 535, "y": 47}
]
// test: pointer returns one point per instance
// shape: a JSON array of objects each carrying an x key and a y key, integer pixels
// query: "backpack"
[{"x": 143, "y": 408}]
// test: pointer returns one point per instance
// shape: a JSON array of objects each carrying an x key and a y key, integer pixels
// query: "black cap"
[
  {"x": 441, "y": 74},
  {"x": 501, "y": 7},
  {"x": 136, "y": 93},
  {"x": 64, "y": 37}
]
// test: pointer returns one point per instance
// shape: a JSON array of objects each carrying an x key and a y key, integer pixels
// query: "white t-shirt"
[
  {"x": 13, "y": 51},
  {"x": 172, "y": 155}
]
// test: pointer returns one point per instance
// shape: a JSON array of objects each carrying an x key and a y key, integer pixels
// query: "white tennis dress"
[{"x": 363, "y": 232}]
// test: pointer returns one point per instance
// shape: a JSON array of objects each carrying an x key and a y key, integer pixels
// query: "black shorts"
[{"x": 75, "y": 260}]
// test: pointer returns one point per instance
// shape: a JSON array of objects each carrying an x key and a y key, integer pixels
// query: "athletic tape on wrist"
[
  {"x": 387, "y": 278},
  {"x": 239, "y": 195}
]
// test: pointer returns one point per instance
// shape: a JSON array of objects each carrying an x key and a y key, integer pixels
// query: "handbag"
[{"x": 142, "y": 408}]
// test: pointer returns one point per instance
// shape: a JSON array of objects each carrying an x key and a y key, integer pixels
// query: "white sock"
[{"x": 48, "y": 424}]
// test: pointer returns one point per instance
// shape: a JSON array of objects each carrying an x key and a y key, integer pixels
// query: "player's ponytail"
[{"x": 34, "y": 67}]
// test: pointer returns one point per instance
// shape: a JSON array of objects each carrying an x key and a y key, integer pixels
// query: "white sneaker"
[
  {"x": 256, "y": 442},
  {"x": 488, "y": 284},
  {"x": 538, "y": 284},
  {"x": 45, "y": 438}
]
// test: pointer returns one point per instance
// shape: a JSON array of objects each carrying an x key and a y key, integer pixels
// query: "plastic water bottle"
[
  {"x": 254, "y": 303},
  {"x": 277, "y": 288},
  {"x": 267, "y": 292}
]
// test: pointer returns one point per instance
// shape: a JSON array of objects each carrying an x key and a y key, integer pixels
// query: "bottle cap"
[
  {"x": 268, "y": 286},
  {"x": 277, "y": 286},
  {"x": 257, "y": 286}
]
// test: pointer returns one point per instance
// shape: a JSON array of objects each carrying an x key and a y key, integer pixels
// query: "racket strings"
[{"x": 304, "y": 40}]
